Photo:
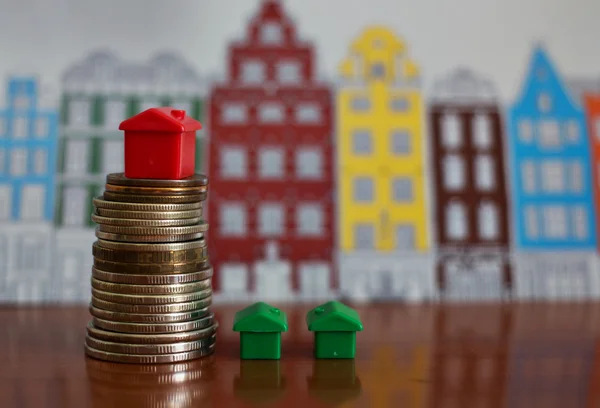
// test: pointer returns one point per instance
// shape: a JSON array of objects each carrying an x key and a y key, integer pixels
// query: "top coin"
[
  {"x": 160, "y": 191},
  {"x": 119, "y": 179}
]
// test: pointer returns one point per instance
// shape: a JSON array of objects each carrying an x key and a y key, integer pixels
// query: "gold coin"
[
  {"x": 148, "y": 318},
  {"x": 151, "y": 299},
  {"x": 160, "y": 191},
  {"x": 152, "y": 309},
  {"x": 140, "y": 328},
  {"x": 149, "y": 215},
  {"x": 151, "y": 279},
  {"x": 189, "y": 229},
  {"x": 126, "y": 222},
  {"x": 148, "y": 359},
  {"x": 99, "y": 202},
  {"x": 150, "y": 259},
  {"x": 172, "y": 289},
  {"x": 124, "y": 348},
  {"x": 149, "y": 199},
  {"x": 164, "y": 338},
  {"x": 152, "y": 247},
  {"x": 147, "y": 238},
  {"x": 119, "y": 179}
]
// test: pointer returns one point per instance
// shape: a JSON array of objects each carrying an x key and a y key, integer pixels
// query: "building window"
[
  {"x": 79, "y": 112},
  {"x": 19, "y": 130},
  {"x": 32, "y": 202},
  {"x": 553, "y": 176},
  {"x": 362, "y": 142},
  {"x": 454, "y": 172},
  {"x": 399, "y": 104},
  {"x": 309, "y": 220},
  {"x": 402, "y": 189},
  {"x": 482, "y": 131},
  {"x": 555, "y": 222},
  {"x": 3, "y": 128},
  {"x": 400, "y": 140},
  {"x": 576, "y": 176},
  {"x": 488, "y": 221},
  {"x": 22, "y": 102},
  {"x": 75, "y": 201},
  {"x": 40, "y": 162},
  {"x": 113, "y": 156},
  {"x": 528, "y": 176},
  {"x": 485, "y": 173},
  {"x": 18, "y": 162},
  {"x": 364, "y": 236},
  {"x": 233, "y": 113},
  {"x": 309, "y": 163},
  {"x": 451, "y": 131},
  {"x": 580, "y": 222},
  {"x": 288, "y": 72},
  {"x": 5, "y": 202},
  {"x": 115, "y": 112},
  {"x": 253, "y": 72},
  {"x": 2, "y": 161},
  {"x": 271, "y": 113},
  {"x": 41, "y": 128},
  {"x": 525, "y": 131},
  {"x": 378, "y": 71},
  {"x": 271, "y": 220},
  {"x": 456, "y": 221},
  {"x": 531, "y": 222},
  {"x": 405, "y": 236},
  {"x": 31, "y": 257},
  {"x": 363, "y": 189},
  {"x": 549, "y": 133},
  {"x": 271, "y": 34},
  {"x": 233, "y": 163},
  {"x": 360, "y": 104},
  {"x": 572, "y": 131},
  {"x": 77, "y": 156},
  {"x": 271, "y": 163},
  {"x": 233, "y": 222},
  {"x": 544, "y": 102},
  {"x": 308, "y": 113}
]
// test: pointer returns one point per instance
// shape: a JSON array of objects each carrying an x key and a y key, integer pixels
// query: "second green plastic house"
[
  {"x": 260, "y": 326},
  {"x": 335, "y": 326}
]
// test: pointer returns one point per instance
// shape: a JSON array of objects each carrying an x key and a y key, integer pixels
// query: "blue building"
[
  {"x": 28, "y": 139},
  {"x": 553, "y": 203}
]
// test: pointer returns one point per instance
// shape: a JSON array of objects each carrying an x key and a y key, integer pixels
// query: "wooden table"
[{"x": 408, "y": 356}]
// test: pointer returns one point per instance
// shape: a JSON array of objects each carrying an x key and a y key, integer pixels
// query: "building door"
[
  {"x": 473, "y": 279},
  {"x": 75, "y": 204},
  {"x": 234, "y": 279},
  {"x": 273, "y": 275},
  {"x": 5, "y": 202},
  {"x": 314, "y": 279},
  {"x": 33, "y": 200}
]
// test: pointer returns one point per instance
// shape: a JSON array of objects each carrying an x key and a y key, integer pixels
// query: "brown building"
[{"x": 469, "y": 183}]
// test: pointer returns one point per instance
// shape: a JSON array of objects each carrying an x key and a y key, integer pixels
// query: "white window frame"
[
  {"x": 483, "y": 131},
  {"x": 525, "y": 131},
  {"x": 77, "y": 155},
  {"x": 397, "y": 139},
  {"x": 317, "y": 171},
  {"x": 454, "y": 174},
  {"x": 456, "y": 221},
  {"x": 549, "y": 134},
  {"x": 33, "y": 202},
  {"x": 485, "y": 173},
  {"x": 20, "y": 128},
  {"x": 6, "y": 196},
  {"x": 75, "y": 206},
  {"x": 553, "y": 176},
  {"x": 233, "y": 162},
  {"x": 579, "y": 221},
  {"x": 112, "y": 116},
  {"x": 234, "y": 113},
  {"x": 42, "y": 127},
  {"x": 572, "y": 131},
  {"x": 40, "y": 161},
  {"x": 289, "y": 72},
  {"x": 555, "y": 222},
  {"x": 271, "y": 33},
  {"x": 531, "y": 221},
  {"x": 271, "y": 163},
  {"x": 452, "y": 136},
  {"x": 413, "y": 238},
  {"x": 528, "y": 176},
  {"x": 576, "y": 176},
  {"x": 360, "y": 136},
  {"x": 357, "y": 242},
  {"x": 271, "y": 220},
  {"x": 80, "y": 112},
  {"x": 489, "y": 221},
  {"x": 308, "y": 113},
  {"x": 314, "y": 212},
  {"x": 360, "y": 104},
  {"x": 3, "y": 161},
  {"x": 234, "y": 278},
  {"x": 369, "y": 183},
  {"x": 19, "y": 162},
  {"x": 271, "y": 112},
  {"x": 253, "y": 71},
  {"x": 113, "y": 155},
  {"x": 233, "y": 219},
  {"x": 396, "y": 188}
]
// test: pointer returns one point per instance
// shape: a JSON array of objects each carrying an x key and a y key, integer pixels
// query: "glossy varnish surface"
[{"x": 408, "y": 356}]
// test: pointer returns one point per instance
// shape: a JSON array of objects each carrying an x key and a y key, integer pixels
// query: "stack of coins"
[{"x": 151, "y": 279}]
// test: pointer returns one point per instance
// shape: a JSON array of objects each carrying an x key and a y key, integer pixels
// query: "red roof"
[{"x": 164, "y": 119}]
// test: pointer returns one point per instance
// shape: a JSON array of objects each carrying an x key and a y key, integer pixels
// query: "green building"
[
  {"x": 335, "y": 326},
  {"x": 260, "y": 326}
]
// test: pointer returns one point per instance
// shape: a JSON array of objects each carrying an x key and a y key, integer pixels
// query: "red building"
[{"x": 271, "y": 164}]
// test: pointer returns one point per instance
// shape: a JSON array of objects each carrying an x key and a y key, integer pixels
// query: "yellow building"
[{"x": 380, "y": 147}]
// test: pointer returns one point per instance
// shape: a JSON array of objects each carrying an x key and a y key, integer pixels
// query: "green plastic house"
[
  {"x": 335, "y": 326},
  {"x": 260, "y": 327}
]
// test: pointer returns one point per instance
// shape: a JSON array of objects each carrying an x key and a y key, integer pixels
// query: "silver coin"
[
  {"x": 152, "y": 309},
  {"x": 133, "y": 289},
  {"x": 162, "y": 239},
  {"x": 129, "y": 230},
  {"x": 149, "y": 215},
  {"x": 149, "y": 338},
  {"x": 151, "y": 279},
  {"x": 175, "y": 327},
  {"x": 99, "y": 202},
  {"x": 148, "y": 318},
  {"x": 119, "y": 179},
  {"x": 151, "y": 299},
  {"x": 132, "y": 222},
  {"x": 149, "y": 349},
  {"x": 157, "y": 247},
  {"x": 148, "y": 359}
]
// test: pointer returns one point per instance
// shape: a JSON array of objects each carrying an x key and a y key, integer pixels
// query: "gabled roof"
[
  {"x": 260, "y": 317},
  {"x": 333, "y": 316},
  {"x": 165, "y": 119}
]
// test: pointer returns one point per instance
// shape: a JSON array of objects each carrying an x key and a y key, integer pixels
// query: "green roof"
[
  {"x": 260, "y": 317},
  {"x": 333, "y": 316}
]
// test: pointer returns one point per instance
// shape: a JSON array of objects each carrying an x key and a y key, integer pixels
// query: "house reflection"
[
  {"x": 260, "y": 382},
  {"x": 334, "y": 381}
]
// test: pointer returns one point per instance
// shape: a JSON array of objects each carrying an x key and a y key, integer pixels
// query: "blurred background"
[{"x": 394, "y": 150}]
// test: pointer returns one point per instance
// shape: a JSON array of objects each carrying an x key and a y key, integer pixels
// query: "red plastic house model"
[{"x": 160, "y": 143}]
